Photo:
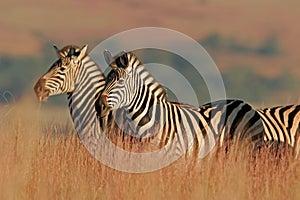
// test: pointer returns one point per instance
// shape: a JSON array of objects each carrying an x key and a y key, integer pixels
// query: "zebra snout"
[
  {"x": 41, "y": 92},
  {"x": 105, "y": 108},
  {"x": 103, "y": 99}
]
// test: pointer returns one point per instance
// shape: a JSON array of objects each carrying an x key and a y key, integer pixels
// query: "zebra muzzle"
[
  {"x": 103, "y": 99},
  {"x": 41, "y": 92},
  {"x": 105, "y": 107}
]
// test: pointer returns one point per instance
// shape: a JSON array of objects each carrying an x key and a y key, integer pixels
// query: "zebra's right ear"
[{"x": 58, "y": 52}]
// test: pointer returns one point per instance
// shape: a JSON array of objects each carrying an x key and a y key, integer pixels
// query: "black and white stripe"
[
  {"x": 282, "y": 125},
  {"x": 78, "y": 75},
  {"x": 196, "y": 130},
  {"x": 84, "y": 85}
]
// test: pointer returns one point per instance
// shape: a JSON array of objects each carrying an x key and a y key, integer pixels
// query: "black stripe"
[
  {"x": 169, "y": 120},
  {"x": 251, "y": 124},
  {"x": 142, "y": 108},
  {"x": 282, "y": 112},
  {"x": 188, "y": 115},
  {"x": 291, "y": 117},
  {"x": 238, "y": 118},
  {"x": 140, "y": 98},
  {"x": 266, "y": 120},
  {"x": 277, "y": 125},
  {"x": 146, "y": 118}
]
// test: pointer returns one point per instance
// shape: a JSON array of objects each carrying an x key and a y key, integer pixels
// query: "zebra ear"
[
  {"x": 58, "y": 52},
  {"x": 122, "y": 60},
  {"x": 56, "y": 48},
  {"x": 83, "y": 52},
  {"x": 108, "y": 57}
]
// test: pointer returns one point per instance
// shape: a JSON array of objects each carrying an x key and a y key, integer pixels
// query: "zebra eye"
[{"x": 63, "y": 68}]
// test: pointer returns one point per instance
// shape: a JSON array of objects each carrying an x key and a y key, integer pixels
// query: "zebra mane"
[
  {"x": 69, "y": 49},
  {"x": 138, "y": 66},
  {"x": 128, "y": 61}
]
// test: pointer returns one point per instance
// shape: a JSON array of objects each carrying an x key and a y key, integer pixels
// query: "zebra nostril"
[{"x": 103, "y": 106}]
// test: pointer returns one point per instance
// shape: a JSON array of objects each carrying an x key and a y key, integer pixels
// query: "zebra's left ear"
[
  {"x": 122, "y": 61},
  {"x": 83, "y": 52},
  {"x": 58, "y": 52}
]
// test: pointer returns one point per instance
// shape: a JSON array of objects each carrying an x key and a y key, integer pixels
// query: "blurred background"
[{"x": 253, "y": 42}]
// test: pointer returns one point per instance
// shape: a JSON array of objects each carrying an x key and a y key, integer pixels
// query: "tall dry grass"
[{"x": 48, "y": 161}]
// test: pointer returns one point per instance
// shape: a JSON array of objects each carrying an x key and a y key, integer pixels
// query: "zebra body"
[
  {"x": 77, "y": 74},
  {"x": 282, "y": 125},
  {"x": 196, "y": 130}
]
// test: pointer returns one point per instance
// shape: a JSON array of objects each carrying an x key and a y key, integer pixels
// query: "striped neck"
[
  {"x": 148, "y": 110},
  {"x": 89, "y": 83},
  {"x": 145, "y": 84}
]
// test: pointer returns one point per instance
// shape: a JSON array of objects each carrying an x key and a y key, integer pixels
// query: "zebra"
[
  {"x": 196, "y": 130},
  {"x": 282, "y": 126},
  {"x": 76, "y": 74}
]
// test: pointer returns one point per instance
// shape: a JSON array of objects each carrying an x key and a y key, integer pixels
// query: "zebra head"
[
  {"x": 61, "y": 76},
  {"x": 117, "y": 91},
  {"x": 119, "y": 87},
  {"x": 127, "y": 82}
]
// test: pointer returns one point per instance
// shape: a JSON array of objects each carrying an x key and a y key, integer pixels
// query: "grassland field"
[{"x": 42, "y": 157}]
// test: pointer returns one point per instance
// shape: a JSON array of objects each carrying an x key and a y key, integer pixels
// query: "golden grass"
[{"x": 49, "y": 162}]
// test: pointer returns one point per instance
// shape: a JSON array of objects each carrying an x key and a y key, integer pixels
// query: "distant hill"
[{"x": 255, "y": 36}]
